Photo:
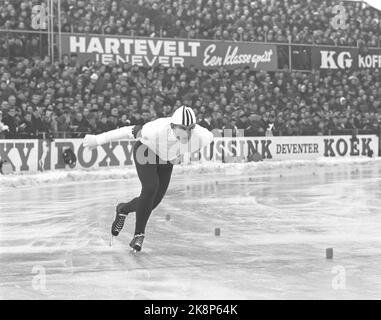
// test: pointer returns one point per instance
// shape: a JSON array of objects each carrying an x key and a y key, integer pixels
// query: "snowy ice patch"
[{"x": 73, "y": 175}]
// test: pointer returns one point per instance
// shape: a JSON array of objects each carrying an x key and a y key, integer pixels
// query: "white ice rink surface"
[{"x": 275, "y": 226}]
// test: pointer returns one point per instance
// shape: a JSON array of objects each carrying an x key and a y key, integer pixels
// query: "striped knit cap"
[{"x": 184, "y": 116}]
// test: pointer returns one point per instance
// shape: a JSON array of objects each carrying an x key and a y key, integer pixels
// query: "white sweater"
[{"x": 159, "y": 137}]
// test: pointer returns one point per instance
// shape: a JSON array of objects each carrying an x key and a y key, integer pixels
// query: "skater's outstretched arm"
[{"x": 92, "y": 141}]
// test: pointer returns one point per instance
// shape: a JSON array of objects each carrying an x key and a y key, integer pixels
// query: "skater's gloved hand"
[{"x": 90, "y": 141}]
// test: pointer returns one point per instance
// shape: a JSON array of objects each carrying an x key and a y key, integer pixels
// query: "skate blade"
[
  {"x": 111, "y": 241},
  {"x": 135, "y": 250}
]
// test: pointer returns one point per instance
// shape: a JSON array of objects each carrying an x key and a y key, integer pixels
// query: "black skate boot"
[
  {"x": 121, "y": 214},
  {"x": 137, "y": 242}
]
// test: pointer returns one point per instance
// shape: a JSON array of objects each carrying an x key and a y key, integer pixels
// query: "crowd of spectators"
[
  {"x": 37, "y": 96},
  {"x": 302, "y": 21}
]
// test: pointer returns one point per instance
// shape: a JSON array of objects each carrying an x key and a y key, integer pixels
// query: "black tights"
[{"x": 155, "y": 180}]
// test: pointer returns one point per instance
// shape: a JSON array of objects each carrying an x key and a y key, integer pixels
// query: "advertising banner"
[
  {"x": 149, "y": 52},
  {"x": 290, "y": 148},
  {"x": 370, "y": 60},
  {"x": 41, "y": 155},
  {"x": 331, "y": 58},
  {"x": 21, "y": 154}
]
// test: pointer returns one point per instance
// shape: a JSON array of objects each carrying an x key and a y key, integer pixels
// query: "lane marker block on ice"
[{"x": 329, "y": 253}]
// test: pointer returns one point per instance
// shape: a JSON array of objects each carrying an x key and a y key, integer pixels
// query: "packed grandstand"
[{"x": 321, "y": 80}]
